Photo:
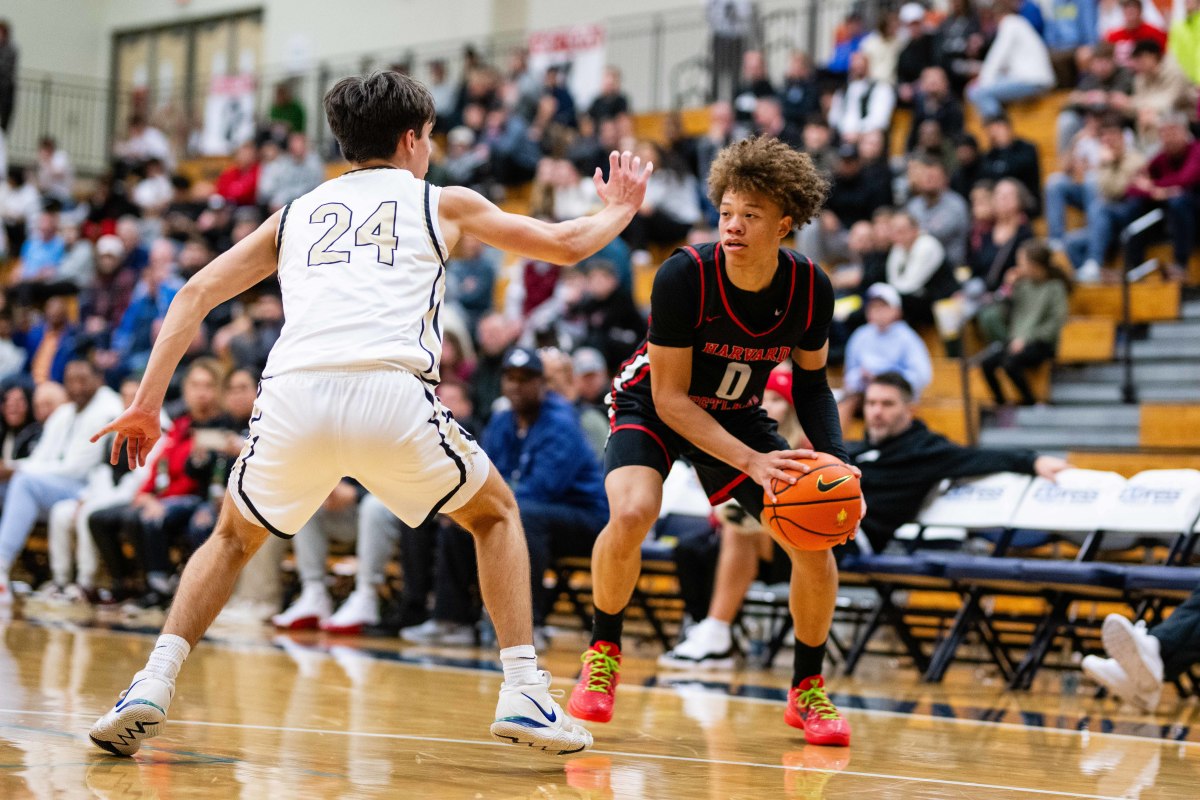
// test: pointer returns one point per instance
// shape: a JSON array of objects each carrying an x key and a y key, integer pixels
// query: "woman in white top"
[
  {"x": 883, "y": 46},
  {"x": 1016, "y": 67}
]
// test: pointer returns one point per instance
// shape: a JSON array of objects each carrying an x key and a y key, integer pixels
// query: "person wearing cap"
[
  {"x": 918, "y": 54},
  {"x": 1017, "y": 65},
  {"x": 885, "y": 344},
  {"x": 592, "y": 378},
  {"x": 104, "y": 302}
]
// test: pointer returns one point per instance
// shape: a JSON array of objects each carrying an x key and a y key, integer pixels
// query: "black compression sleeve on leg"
[{"x": 817, "y": 411}]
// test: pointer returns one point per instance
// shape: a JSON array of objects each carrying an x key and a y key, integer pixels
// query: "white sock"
[
  {"x": 168, "y": 655},
  {"x": 520, "y": 665}
]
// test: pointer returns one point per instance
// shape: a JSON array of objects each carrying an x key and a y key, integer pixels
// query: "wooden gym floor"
[{"x": 307, "y": 716}]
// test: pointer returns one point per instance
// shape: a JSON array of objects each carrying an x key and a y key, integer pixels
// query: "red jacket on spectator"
[
  {"x": 175, "y": 454},
  {"x": 1124, "y": 39},
  {"x": 1166, "y": 171},
  {"x": 239, "y": 186}
]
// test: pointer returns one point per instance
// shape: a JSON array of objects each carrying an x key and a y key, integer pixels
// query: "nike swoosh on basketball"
[
  {"x": 822, "y": 486},
  {"x": 550, "y": 715}
]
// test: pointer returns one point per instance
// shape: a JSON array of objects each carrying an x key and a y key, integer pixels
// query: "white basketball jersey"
[{"x": 362, "y": 266}]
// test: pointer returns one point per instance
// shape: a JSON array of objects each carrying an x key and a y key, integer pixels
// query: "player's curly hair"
[{"x": 771, "y": 168}]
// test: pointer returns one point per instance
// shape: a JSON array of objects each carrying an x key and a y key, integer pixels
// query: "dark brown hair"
[
  {"x": 768, "y": 167},
  {"x": 369, "y": 114}
]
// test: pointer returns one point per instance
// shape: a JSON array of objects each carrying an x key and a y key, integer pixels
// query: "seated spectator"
[
  {"x": 74, "y": 560},
  {"x": 801, "y": 95},
  {"x": 336, "y": 520},
  {"x": 670, "y": 209},
  {"x": 294, "y": 173},
  {"x": 1159, "y": 88},
  {"x": 614, "y": 325},
  {"x": 52, "y": 343},
  {"x": 38, "y": 275},
  {"x": 902, "y": 460},
  {"x": 249, "y": 339},
  {"x": 78, "y": 267},
  {"x": 1110, "y": 16},
  {"x": 968, "y": 170},
  {"x": 853, "y": 197},
  {"x": 1026, "y": 321},
  {"x": 1075, "y": 182},
  {"x": 770, "y": 122},
  {"x": 916, "y": 265},
  {"x": 847, "y": 41},
  {"x": 176, "y": 485},
  {"x": 137, "y": 254},
  {"x": 154, "y": 190},
  {"x": 465, "y": 162},
  {"x": 1170, "y": 181},
  {"x": 286, "y": 111},
  {"x": 1183, "y": 41},
  {"x": 560, "y": 379},
  {"x": 142, "y": 143},
  {"x": 134, "y": 336},
  {"x": 554, "y": 86},
  {"x": 932, "y": 100},
  {"x": 919, "y": 53},
  {"x": 753, "y": 86},
  {"x": 1107, "y": 204},
  {"x": 515, "y": 147},
  {"x": 20, "y": 207},
  {"x": 876, "y": 167},
  {"x": 939, "y": 211},
  {"x": 104, "y": 302},
  {"x": 539, "y": 448},
  {"x": 818, "y": 143},
  {"x": 1071, "y": 25},
  {"x": 238, "y": 183},
  {"x": 882, "y": 46},
  {"x": 12, "y": 355},
  {"x": 19, "y": 430},
  {"x": 1010, "y": 157},
  {"x": 863, "y": 104},
  {"x": 496, "y": 336},
  {"x": 1032, "y": 12},
  {"x": 1141, "y": 660},
  {"x": 718, "y": 136},
  {"x": 962, "y": 44},
  {"x": 1017, "y": 65},
  {"x": 58, "y": 467},
  {"x": 612, "y": 101},
  {"x": 993, "y": 252},
  {"x": 932, "y": 144},
  {"x": 1133, "y": 29},
  {"x": 55, "y": 174},
  {"x": 1103, "y": 85},
  {"x": 885, "y": 344},
  {"x": 471, "y": 279},
  {"x": 592, "y": 378},
  {"x": 443, "y": 91},
  {"x": 47, "y": 397}
]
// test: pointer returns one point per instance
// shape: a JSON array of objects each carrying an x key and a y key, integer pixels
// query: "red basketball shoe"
[
  {"x": 592, "y": 698},
  {"x": 811, "y": 710}
]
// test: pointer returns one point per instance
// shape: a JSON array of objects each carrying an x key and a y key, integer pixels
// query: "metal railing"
[{"x": 75, "y": 111}]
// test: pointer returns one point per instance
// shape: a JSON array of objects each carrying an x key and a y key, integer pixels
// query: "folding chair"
[{"x": 971, "y": 504}]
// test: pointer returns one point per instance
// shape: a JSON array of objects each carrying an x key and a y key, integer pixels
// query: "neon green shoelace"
[
  {"x": 603, "y": 667},
  {"x": 817, "y": 702}
]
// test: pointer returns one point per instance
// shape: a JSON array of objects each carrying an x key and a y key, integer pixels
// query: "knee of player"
[
  {"x": 812, "y": 560},
  {"x": 633, "y": 518}
]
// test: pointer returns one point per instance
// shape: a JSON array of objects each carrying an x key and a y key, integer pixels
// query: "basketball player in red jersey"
[{"x": 723, "y": 315}]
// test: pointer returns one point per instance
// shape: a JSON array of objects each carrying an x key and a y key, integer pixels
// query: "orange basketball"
[{"x": 818, "y": 511}]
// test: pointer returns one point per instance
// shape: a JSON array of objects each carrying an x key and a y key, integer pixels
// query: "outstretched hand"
[
  {"x": 627, "y": 179},
  {"x": 138, "y": 429}
]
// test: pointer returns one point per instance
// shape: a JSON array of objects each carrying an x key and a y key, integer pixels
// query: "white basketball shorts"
[{"x": 384, "y": 428}]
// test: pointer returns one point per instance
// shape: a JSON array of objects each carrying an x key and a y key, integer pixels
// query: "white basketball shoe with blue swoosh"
[
  {"x": 528, "y": 714},
  {"x": 138, "y": 715}
]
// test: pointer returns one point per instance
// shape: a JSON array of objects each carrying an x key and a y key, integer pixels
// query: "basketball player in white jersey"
[{"x": 348, "y": 388}]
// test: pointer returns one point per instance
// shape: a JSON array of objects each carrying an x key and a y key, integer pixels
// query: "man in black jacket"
[
  {"x": 902, "y": 460},
  {"x": 1010, "y": 157}
]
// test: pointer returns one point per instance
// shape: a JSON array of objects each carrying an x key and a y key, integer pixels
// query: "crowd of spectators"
[{"x": 530, "y": 347}]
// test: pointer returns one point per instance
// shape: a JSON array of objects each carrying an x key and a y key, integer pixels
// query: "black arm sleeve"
[
  {"x": 817, "y": 411},
  {"x": 675, "y": 302}
]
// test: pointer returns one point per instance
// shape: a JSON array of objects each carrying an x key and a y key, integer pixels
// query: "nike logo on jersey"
[
  {"x": 822, "y": 486},
  {"x": 712, "y": 319},
  {"x": 550, "y": 715}
]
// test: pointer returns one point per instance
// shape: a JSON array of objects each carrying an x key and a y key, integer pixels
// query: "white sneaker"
[
  {"x": 138, "y": 715},
  {"x": 528, "y": 714},
  {"x": 437, "y": 633},
  {"x": 311, "y": 608},
  {"x": 360, "y": 609},
  {"x": 246, "y": 612},
  {"x": 1108, "y": 673},
  {"x": 1136, "y": 651},
  {"x": 708, "y": 645},
  {"x": 1088, "y": 272}
]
